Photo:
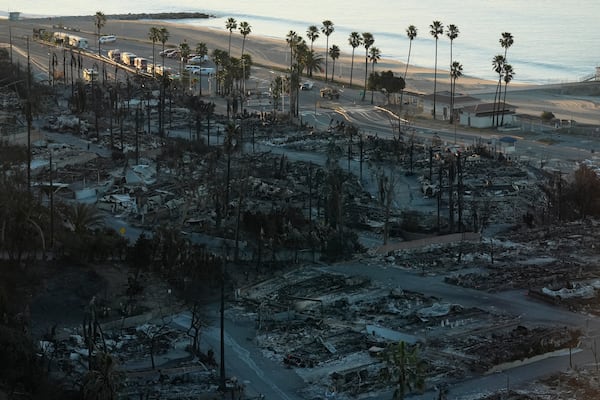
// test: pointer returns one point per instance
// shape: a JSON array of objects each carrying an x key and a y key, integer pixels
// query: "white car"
[
  {"x": 168, "y": 52},
  {"x": 198, "y": 59},
  {"x": 107, "y": 39},
  {"x": 194, "y": 69}
]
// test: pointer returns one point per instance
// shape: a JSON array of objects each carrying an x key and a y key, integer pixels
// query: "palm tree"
[
  {"x": 452, "y": 33},
  {"x": 292, "y": 40},
  {"x": 163, "y": 36},
  {"x": 367, "y": 40},
  {"x": 509, "y": 74},
  {"x": 185, "y": 52},
  {"x": 82, "y": 218},
  {"x": 312, "y": 33},
  {"x": 455, "y": 72},
  {"x": 99, "y": 22},
  {"x": 245, "y": 30},
  {"x": 334, "y": 53},
  {"x": 201, "y": 50},
  {"x": 374, "y": 57},
  {"x": 404, "y": 368},
  {"x": 354, "y": 40},
  {"x": 230, "y": 25},
  {"x": 313, "y": 62},
  {"x": 327, "y": 30},
  {"x": 436, "y": 29},
  {"x": 102, "y": 382},
  {"x": 411, "y": 32},
  {"x": 498, "y": 66},
  {"x": 154, "y": 36},
  {"x": 506, "y": 41}
]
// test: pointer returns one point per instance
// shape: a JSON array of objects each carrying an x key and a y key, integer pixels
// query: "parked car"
[
  {"x": 174, "y": 54},
  {"x": 192, "y": 68},
  {"x": 169, "y": 53},
  {"x": 197, "y": 59}
]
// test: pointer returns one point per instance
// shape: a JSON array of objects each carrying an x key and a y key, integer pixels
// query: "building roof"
[
  {"x": 445, "y": 97},
  {"x": 483, "y": 109}
]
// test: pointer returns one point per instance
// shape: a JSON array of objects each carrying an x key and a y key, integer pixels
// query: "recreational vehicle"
[
  {"x": 140, "y": 63},
  {"x": 127, "y": 58},
  {"x": 115, "y": 55},
  {"x": 78, "y": 42},
  {"x": 90, "y": 74}
]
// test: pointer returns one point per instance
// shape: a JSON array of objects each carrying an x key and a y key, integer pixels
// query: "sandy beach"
[{"x": 580, "y": 105}]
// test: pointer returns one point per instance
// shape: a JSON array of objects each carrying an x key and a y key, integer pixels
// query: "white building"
[{"x": 481, "y": 115}]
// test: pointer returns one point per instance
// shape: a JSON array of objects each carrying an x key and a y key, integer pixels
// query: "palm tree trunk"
[
  {"x": 405, "y": 72},
  {"x": 503, "y": 104},
  {"x": 366, "y": 71},
  {"x": 435, "y": 77},
  {"x": 351, "y": 67},
  {"x": 332, "y": 69},
  {"x": 497, "y": 98}
]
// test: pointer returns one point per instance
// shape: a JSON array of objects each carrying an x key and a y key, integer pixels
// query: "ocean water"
[{"x": 554, "y": 41}]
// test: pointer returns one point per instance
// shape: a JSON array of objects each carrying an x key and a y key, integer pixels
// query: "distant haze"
[{"x": 554, "y": 41}]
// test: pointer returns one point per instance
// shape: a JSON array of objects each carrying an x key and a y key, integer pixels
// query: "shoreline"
[
  {"x": 273, "y": 52},
  {"x": 268, "y": 52}
]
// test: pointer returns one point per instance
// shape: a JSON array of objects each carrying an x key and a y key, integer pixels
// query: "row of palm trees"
[
  {"x": 306, "y": 58},
  {"x": 506, "y": 74}
]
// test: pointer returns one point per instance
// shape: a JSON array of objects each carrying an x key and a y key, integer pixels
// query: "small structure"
[
  {"x": 14, "y": 16},
  {"x": 443, "y": 103},
  {"x": 482, "y": 115}
]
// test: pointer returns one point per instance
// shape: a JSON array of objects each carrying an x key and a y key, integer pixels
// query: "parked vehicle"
[
  {"x": 107, "y": 39},
  {"x": 115, "y": 55},
  {"x": 198, "y": 60},
  {"x": 67, "y": 39},
  {"x": 174, "y": 54},
  {"x": 128, "y": 58},
  {"x": 166, "y": 52},
  {"x": 78, "y": 42},
  {"x": 90, "y": 74},
  {"x": 162, "y": 70},
  {"x": 192, "y": 68},
  {"x": 207, "y": 71},
  {"x": 140, "y": 63},
  {"x": 330, "y": 93}
]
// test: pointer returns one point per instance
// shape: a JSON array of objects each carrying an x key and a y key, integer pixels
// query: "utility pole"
[
  {"x": 51, "y": 205},
  {"x": 222, "y": 385},
  {"x": 28, "y": 116}
]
